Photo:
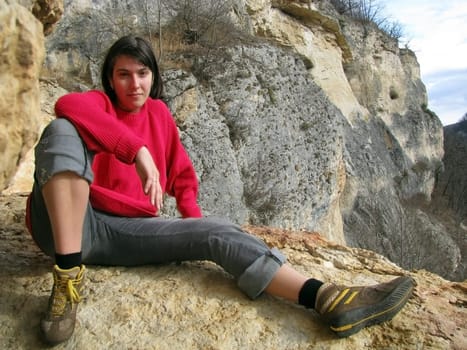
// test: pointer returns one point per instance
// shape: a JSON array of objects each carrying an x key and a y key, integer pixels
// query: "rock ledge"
[{"x": 197, "y": 306}]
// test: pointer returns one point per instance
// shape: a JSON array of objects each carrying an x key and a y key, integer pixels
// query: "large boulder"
[{"x": 22, "y": 43}]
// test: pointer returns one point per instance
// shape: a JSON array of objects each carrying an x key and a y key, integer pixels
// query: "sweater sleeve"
[
  {"x": 93, "y": 115},
  {"x": 182, "y": 182}
]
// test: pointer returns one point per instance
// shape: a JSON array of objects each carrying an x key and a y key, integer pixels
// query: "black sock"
[
  {"x": 67, "y": 261},
  {"x": 307, "y": 295}
]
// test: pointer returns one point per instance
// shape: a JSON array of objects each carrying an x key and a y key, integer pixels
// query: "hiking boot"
[
  {"x": 59, "y": 322},
  {"x": 349, "y": 309}
]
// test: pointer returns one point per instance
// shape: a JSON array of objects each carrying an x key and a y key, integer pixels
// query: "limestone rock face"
[
  {"x": 318, "y": 38},
  {"x": 48, "y": 12},
  {"x": 278, "y": 150},
  {"x": 22, "y": 43},
  {"x": 22, "y": 179},
  {"x": 449, "y": 196},
  {"x": 452, "y": 185},
  {"x": 392, "y": 145},
  {"x": 196, "y": 305}
]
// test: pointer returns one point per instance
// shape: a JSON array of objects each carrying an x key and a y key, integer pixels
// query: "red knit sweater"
[{"x": 116, "y": 136}]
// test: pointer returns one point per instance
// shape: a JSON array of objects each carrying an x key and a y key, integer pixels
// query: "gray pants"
[{"x": 113, "y": 240}]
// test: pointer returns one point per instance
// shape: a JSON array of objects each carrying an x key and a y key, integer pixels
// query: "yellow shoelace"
[{"x": 64, "y": 290}]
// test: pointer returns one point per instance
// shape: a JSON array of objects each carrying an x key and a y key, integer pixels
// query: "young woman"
[{"x": 102, "y": 168}]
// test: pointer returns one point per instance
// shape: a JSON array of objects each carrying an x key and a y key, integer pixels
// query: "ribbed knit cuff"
[{"x": 307, "y": 295}]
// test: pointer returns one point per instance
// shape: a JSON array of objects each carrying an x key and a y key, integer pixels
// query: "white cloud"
[{"x": 448, "y": 94}]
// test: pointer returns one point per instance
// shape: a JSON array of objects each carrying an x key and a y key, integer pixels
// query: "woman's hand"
[{"x": 149, "y": 175}]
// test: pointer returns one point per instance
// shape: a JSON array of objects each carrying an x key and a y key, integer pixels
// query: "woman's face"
[{"x": 131, "y": 80}]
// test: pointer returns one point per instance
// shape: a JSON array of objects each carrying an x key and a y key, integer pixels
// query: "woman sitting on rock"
[{"x": 102, "y": 168}]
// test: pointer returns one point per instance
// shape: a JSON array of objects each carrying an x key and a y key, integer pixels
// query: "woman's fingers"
[
  {"x": 149, "y": 175},
  {"x": 155, "y": 191},
  {"x": 158, "y": 195}
]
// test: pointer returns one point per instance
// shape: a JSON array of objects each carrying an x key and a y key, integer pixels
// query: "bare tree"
[
  {"x": 369, "y": 12},
  {"x": 199, "y": 18}
]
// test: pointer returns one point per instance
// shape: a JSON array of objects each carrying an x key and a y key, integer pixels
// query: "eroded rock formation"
[{"x": 21, "y": 56}]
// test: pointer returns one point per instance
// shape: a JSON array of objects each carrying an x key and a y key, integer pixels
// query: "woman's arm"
[{"x": 93, "y": 115}]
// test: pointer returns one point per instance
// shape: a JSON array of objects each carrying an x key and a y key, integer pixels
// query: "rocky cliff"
[
  {"x": 22, "y": 43},
  {"x": 392, "y": 145}
]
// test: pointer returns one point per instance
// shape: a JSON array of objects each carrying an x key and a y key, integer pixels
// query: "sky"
[{"x": 436, "y": 30}]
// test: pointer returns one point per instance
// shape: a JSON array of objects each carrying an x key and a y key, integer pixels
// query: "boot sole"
[{"x": 357, "y": 319}]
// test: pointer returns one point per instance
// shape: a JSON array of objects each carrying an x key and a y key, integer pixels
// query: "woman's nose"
[{"x": 134, "y": 81}]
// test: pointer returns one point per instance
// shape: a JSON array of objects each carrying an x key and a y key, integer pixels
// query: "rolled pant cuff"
[{"x": 258, "y": 275}]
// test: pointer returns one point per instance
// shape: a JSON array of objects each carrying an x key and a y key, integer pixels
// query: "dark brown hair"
[{"x": 140, "y": 50}]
